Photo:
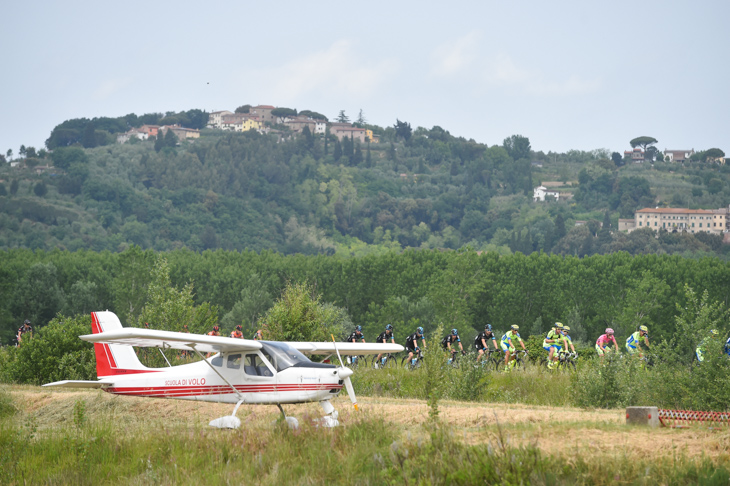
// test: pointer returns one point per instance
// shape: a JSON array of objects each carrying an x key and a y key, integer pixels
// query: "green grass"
[{"x": 91, "y": 450}]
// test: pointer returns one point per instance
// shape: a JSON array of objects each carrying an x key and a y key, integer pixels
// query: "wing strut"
[{"x": 238, "y": 394}]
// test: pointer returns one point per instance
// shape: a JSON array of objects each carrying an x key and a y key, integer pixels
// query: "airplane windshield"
[{"x": 283, "y": 356}]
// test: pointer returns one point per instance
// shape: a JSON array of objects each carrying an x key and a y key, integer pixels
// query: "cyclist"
[
  {"x": 258, "y": 335},
  {"x": 237, "y": 333},
  {"x": 567, "y": 341},
  {"x": 509, "y": 348},
  {"x": 355, "y": 335},
  {"x": 352, "y": 338},
  {"x": 412, "y": 344},
  {"x": 553, "y": 343},
  {"x": 603, "y": 343},
  {"x": 700, "y": 351},
  {"x": 447, "y": 342},
  {"x": 480, "y": 342},
  {"x": 633, "y": 342},
  {"x": 24, "y": 329},
  {"x": 215, "y": 331},
  {"x": 727, "y": 347},
  {"x": 383, "y": 338}
]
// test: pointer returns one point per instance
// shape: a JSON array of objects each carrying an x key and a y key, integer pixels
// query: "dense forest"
[
  {"x": 462, "y": 289},
  {"x": 312, "y": 194}
]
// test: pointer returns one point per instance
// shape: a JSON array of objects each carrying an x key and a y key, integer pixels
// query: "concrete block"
[{"x": 642, "y": 416}]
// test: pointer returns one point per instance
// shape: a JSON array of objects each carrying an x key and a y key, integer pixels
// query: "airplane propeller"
[{"x": 345, "y": 374}]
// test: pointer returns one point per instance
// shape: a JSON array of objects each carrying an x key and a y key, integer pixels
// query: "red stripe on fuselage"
[{"x": 191, "y": 391}]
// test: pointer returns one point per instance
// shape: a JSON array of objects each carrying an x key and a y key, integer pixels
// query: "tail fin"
[{"x": 113, "y": 359}]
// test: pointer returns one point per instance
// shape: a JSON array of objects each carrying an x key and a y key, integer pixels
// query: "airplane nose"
[{"x": 344, "y": 372}]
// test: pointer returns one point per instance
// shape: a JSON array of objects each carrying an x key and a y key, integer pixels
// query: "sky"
[{"x": 568, "y": 75}]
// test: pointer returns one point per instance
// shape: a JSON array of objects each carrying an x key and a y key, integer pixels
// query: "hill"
[{"x": 313, "y": 194}]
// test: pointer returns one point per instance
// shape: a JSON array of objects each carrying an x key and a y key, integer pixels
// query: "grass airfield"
[{"x": 91, "y": 437}]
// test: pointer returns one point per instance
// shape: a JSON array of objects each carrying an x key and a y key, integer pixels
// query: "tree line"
[{"x": 462, "y": 289}]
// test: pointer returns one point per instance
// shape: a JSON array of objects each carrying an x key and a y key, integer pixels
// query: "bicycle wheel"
[
  {"x": 391, "y": 362},
  {"x": 519, "y": 364}
]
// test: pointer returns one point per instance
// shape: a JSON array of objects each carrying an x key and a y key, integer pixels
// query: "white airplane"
[{"x": 242, "y": 371}]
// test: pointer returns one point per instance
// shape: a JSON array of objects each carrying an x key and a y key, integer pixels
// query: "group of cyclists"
[{"x": 557, "y": 343}]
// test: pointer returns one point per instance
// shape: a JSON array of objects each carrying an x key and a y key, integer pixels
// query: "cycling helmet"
[
  {"x": 419, "y": 330},
  {"x": 515, "y": 327},
  {"x": 566, "y": 328},
  {"x": 26, "y": 322},
  {"x": 389, "y": 327},
  {"x": 609, "y": 330},
  {"x": 358, "y": 328},
  {"x": 559, "y": 325},
  {"x": 185, "y": 326},
  {"x": 488, "y": 327},
  {"x": 238, "y": 328},
  {"x": 215, "y": 328},
  {"x": 454, "y": 332},
  {"x": 714, "y": 332},
  {"x": 643, "y": 328}
]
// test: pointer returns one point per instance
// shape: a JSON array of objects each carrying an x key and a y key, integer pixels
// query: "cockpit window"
[
  {"x": 283, "y": 356},
  {"x": 234, "y": 361}
]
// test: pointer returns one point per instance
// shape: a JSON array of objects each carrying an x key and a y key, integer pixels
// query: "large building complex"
[{"x": 714, "y": 221}]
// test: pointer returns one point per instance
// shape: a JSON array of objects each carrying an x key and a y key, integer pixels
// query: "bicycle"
[
  {"x": 454, "y": 359},
  {"x": 566, "y": 361},
  {"x": 518, "y": 360},
  {"x": 409, "y": 364},
  {"x": 493, "y": 362},
  {"x": 385, "y": 361},
  {"x": 357, "y": 361}
]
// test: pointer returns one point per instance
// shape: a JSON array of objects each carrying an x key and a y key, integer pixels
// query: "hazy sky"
[{"x": 567, "y": 74}]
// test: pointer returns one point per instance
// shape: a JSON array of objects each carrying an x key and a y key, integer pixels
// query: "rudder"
[{"x": 113, "y": 359}]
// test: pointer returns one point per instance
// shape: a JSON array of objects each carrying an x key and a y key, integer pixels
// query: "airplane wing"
[
  {"x": 78, "y": 384},
  {"x": 151, "y": 338},
  {"x": 345, "y": 349}
]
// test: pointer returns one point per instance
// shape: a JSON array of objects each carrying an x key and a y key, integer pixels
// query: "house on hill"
[
  {"x": 263, "y": 112},
  {"x": 713, "y": 221},
  {"x": 678, "y": 155},
  {"x": 637, "y": 155},
  {"x": 342, "y": 130},
  {"x": 540, "y": 192},
  {"x": 215, "y": 119}
]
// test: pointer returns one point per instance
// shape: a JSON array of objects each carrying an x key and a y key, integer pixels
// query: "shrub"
[{"x": 54, "y": 353}]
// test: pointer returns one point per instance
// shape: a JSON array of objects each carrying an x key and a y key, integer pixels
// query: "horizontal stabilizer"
[
  {"x": 78, "y": 384},
  {"x": 347, "y": 349}
]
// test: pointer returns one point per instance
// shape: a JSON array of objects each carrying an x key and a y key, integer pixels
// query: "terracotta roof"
[
  {"x": 675, "y": 211},
  {"x": 266, "y": 107}
]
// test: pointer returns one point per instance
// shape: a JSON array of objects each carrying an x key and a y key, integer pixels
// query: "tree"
[
  {"x": 361, "y": 118},
  {"x": 517, "y": 146},
  {"x": 254, "y": 300},
  {"x": 284, "y": 112},
  {"x": 643, "y": 142},
  {"x": 38, "y": 296},
  {"x": 14, "y": 187},
  {"x": 403, "y": 130},
  {"x": 243, "y": 109},
  {"x": 342, "y": 118},
  {"x": 9, "y": 154},
  {"x": 338, "y": 151},
  {"x": 299, "y": 315},
  {"x": 40, "y": 189},
  {"x": 712, "y": 155},
  {"x": 617, "y": 159},
  {"x": 64, "y": 157},
  {"x": 22, "y": 151},
  {"x": 89, "y": 138},
  {"x": 168, "y": 308}
]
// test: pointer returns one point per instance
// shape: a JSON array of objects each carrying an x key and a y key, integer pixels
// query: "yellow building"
[
  {"x": 251, "y": 123},
  {"x": 714, "y": 221}
]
